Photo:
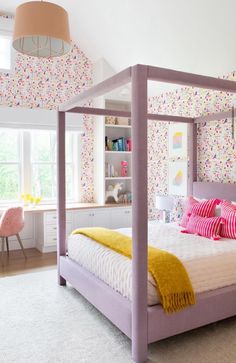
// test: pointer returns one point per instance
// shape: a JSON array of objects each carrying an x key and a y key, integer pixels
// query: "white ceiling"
[{"x": 197, "y": 36}]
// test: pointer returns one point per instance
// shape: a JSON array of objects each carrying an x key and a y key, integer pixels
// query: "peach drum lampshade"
[{"x": 41, "y": 29}]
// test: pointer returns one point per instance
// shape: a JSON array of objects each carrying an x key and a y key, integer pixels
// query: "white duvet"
[{"x": 210, "y": 264}]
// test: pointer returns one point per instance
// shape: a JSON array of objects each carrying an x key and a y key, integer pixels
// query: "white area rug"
[{"x": 42, "y": 322}]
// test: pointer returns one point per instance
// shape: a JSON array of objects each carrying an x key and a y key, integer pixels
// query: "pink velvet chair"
[{"x": 11, "y": 223}]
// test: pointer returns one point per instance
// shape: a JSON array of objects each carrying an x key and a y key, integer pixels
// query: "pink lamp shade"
[{"x": 164, "y": 202}]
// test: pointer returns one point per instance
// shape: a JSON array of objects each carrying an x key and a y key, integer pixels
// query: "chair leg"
[
  {"x": 7, "y": 246},
  {"x": 2, "y": 255},
  {"x": 21, "y": 245}
]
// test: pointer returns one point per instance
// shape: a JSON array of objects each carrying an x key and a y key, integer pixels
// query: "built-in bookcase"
[{"x": 105, "y": 157}]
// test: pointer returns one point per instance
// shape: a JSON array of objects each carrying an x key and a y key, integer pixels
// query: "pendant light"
[{"x": 41, "y": 30}]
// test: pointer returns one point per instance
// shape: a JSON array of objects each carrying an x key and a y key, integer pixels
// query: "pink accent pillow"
[
  {"x": 228, "y": 212},
  {"x": 203, "y": 209},
  {"x": 205, "y": 227}
]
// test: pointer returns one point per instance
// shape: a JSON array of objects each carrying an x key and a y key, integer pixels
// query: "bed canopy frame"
[{"x": 143, "y": 324}]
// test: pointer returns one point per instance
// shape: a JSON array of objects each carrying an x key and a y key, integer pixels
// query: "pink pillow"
[
  {"x": 228, "y": 212},
  {"x": 205, "y": 227},
  {"x": 203, "y": 209}
]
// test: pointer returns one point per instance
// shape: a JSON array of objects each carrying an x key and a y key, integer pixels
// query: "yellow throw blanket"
[{"x": 172, "y": 280}]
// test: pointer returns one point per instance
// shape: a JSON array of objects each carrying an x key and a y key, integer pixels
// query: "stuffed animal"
[{"x": 113, "y": 190}]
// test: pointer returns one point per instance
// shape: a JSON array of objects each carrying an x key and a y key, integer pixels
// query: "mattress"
[{"x": 210, "y": 264}]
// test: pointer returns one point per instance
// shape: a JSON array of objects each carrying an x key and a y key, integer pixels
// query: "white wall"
[{"x": 19, "y": 117}]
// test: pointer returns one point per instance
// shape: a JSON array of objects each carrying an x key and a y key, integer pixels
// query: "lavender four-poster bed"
[{"x": 142, "y": 323}]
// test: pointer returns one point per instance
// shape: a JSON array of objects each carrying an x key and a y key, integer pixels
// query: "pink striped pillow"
[
  {"x": 203, "y": 209},
  {"x": 228, "y": 212},
  {"x": 205, "y": 227}
]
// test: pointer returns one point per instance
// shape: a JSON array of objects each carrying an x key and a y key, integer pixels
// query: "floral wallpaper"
[
  {"x": 46, "y": 83},
  {"x": 216, "y": 148}
]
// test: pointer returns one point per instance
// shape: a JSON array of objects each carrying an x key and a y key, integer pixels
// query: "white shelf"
[
  {"x": 117, "y": 152},
  {"x": 118, "y": 177},
  {"x": 102, "y": 157},
  {"x": 118, "y": 126}
]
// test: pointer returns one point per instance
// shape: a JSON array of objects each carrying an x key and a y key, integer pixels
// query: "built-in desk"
[
  {"x": 40, "y": 229},
  {"x": 77, "y": 216},
  {"x": 72, "y": 206}
]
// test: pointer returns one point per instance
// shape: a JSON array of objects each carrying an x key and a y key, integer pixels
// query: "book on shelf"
[
  {"x": 120, "y": 144},
  {"x": 128, "y": 144},
  {"x": 115, "y": 145},
  {"x": 109, "y": 170}
]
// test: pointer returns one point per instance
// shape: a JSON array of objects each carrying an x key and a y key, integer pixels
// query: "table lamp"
[{"x": 165, "y": 203}]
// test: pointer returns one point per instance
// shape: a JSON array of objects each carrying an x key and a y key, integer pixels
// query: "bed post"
[
  {"x": 195, "y": 171},
  {"x": 192, "y": 159},
  {"x": 61, "y": 198},
  {"x": 139, "y": 211}
]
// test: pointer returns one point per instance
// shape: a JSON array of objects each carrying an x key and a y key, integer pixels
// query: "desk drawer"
[
  {"x": 50, "y": 218},
  {"x": 50, "y": 240},
  {"x": 51, "y": 231}
]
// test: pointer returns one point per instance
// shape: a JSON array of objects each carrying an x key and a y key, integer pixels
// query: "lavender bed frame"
[{"x": 139, "y": 322}]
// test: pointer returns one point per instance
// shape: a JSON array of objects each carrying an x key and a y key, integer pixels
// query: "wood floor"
[{"x": 36, "y": 261}]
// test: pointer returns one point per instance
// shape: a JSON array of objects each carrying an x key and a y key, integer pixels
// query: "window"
[
  {"x": 28, "y": 164},
  {"x": 43, "y": 164},
  {"x": 10, "y": 164},
  {"x": 5, "y": 52}
]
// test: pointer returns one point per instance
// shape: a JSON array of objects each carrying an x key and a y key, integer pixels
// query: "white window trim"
[
  {"x": 19, "y": 163},
  {"x": 26, "y": 175},
  {"x": 6, "y": 29},
  {"x": 25, "y": 165},
  {"x": 30, "y": 119},
  {"x": 76, "y": 159}
]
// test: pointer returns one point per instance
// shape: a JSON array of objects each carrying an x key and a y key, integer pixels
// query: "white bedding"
[{"x": 210, "y": 264}]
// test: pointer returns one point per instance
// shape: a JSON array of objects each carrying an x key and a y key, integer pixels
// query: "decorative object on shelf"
[
  {"x": 41, "y": 30},
  {"x": 30, "y": 199},
  {"x": 113, "y": 191},
  {"x": 165, "y": 203},
  {"x": 110, "y": 120},
  {"x": 178, "y": 178},
  {"x": 129, "y": 196},
  {"x": 125, "y": 198},
  {"x": 123, "y": 121},
  {"x": 178, "y": 140},
  {"x": 124, "y": 168},
  {"x": 108, "y": 144}
]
